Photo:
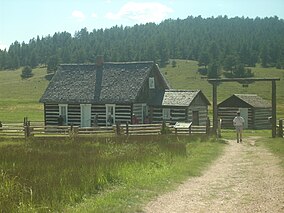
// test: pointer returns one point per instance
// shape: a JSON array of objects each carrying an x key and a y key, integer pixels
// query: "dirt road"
[{"x": 246, "y": 178}]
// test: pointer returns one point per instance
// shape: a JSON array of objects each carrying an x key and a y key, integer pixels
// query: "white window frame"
[
  {"x": 107, "y": 112},
  {"x": 65, "y": 116},
  {"x": 82, "y": 106},
  {"x": 144, "y": 106},
  {"x": 166, "y": 113},
  {"x": 151, "y": 83}
]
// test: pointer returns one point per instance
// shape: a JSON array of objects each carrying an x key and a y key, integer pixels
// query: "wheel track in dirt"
[{"x": 246, "y": 178}]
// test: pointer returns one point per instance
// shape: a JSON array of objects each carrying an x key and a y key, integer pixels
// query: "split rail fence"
[{"x": 28, "y": 129}]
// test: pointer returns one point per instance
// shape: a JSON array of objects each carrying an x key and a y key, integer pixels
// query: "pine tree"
[{"x": 26, "y": 72}]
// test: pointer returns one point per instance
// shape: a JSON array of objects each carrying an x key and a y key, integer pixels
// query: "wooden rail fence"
[{"x": 20, "y": 130}]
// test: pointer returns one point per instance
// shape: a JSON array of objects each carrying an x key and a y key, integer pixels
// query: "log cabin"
[
  {"x": 254, "y": 109},
  {"x": 180, "y": 106},
  {"x": 105, "y": 93}
]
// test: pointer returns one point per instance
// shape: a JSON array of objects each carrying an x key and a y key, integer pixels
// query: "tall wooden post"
[
  {"x": 273, "y": 120},
  {"x": 280, "y": 133},
  {"x": 215, "y": 113}
]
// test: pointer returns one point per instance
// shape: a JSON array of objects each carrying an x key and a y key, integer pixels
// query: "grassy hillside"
[
  {"x": 19, "y": 98},
  {"x": 184, "y": 76}
]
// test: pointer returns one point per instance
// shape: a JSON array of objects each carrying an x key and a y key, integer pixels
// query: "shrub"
[{"x": 26, "y": 72}]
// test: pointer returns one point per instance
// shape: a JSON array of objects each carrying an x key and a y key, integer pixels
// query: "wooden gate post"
[
  {"x": 280, "y": 130},
  {"x": 27, "y": 129},
  {"x": 215, "y": 112},
  {"x": 127, "y": 128},
  {"x": 117, "y": 125},
  {"x": 273, "y": 109}
]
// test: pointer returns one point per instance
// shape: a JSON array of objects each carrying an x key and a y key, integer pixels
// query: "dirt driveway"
[{"x": 247, "y": 178}]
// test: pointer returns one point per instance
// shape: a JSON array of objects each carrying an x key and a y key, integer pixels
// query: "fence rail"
[
  {"x": 14, "y": 130},
  {"x": 39, "y": 130}
]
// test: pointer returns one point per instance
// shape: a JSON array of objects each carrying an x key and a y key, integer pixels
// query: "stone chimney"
[
  {"x": 99, "y": 77},
  {"x": 99, "y": 60}
]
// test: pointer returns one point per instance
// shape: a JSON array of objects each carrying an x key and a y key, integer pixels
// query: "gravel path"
[{"x": 246, "y": 178}]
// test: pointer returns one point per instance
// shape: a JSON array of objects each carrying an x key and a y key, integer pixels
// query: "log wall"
[
  {"x": 257, "y": 117},
  {"x": 122, "y": 114},
  {"x": 180, "y": 114}
]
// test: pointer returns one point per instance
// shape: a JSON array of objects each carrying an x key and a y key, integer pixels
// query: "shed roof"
[
  {"x": 87, "y": 83},
  {"x": 252, "y": 100},
  {"x": 182, "y": 98}
]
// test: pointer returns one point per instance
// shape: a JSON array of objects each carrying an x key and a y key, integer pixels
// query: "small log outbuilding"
[
  {"x": 103, "y": 94},
  {"x": 180, "y": 106},
  {"x": 255, "y": 110}
]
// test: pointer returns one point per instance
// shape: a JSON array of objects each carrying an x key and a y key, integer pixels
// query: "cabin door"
[
  {"x": 244, "y": 114},
  {"x": 110, "y": 114},
  {"x": 85, "y": 115},
  {"x": 195, "y": 118},
  {"x": 63, "y": 111}
]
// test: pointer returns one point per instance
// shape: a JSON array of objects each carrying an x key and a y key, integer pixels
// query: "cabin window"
[
  {"x": 63, "y": 112},
  {"x": 166, "y": 113},
  {"x": 110, "y": 114},
  {"x": 151, "y": 83}
]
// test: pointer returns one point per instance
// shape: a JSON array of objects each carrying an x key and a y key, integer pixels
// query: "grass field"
[
  {"x": 96, "y": 174},
  {"x": 20, "y": 98}
]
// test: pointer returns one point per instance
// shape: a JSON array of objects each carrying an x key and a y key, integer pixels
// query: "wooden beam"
[
  {"x": 215, "y": 112},
  {"x": 273, "y": 120},
  {"x": 247, "y": 80}
]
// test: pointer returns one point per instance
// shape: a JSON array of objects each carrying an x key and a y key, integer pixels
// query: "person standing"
[
  {"x": 95, "y": 120},
  {"x": 238, "y": 123},
  {"x": 134, "y": 119}
]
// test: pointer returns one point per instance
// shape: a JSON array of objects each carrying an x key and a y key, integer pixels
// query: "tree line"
[{"x": 217, "y": 42}]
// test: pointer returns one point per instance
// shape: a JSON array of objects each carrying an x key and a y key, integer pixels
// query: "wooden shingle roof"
[
  {"x": 251, "y": 100},
  {"x": 180, "y": 98},
  {"x": 254, "y": 100},
  {"x": 87, "y": 83}
]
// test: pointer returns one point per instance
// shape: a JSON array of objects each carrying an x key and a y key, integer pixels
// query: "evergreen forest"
[{"x": 216, "y": 43}]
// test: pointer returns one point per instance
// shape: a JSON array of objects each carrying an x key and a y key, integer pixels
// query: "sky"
[{"x": 22, "y": 20}]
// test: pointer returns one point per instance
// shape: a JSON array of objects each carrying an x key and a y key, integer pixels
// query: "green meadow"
[
  {"x": 20, "y": 98},
  {"x": 97, "y": 174}
]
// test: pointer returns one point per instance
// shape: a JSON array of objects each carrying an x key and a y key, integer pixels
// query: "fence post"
[
  {"x": 219, "y": 128},
  {"x": 71, "y": 130},
  {"x": 117, "y": 125},
  {"x": 208, "y": 126},
  {"x": 163, "y": 130},
  {"x": 127, "y": 128},
  {"x": 189, "y": 129},
  {"x": 280, "y": 130},
  {"x": 75, "y": 131},
  {"x": 26, "y": 127}
]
